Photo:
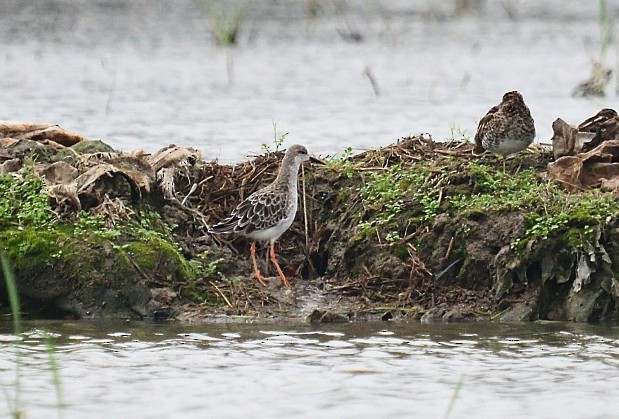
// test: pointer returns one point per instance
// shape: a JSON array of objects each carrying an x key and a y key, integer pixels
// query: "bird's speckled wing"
[
  {"x": 260, "y": 211},
  {"x": 482, "y": 129}
]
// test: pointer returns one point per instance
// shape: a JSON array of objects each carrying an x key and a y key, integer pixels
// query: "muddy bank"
[{"x": 418, "y": 230}]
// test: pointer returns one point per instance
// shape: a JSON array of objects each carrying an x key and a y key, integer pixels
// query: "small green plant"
[
  {"x": 341, "y": 157},
  {"x": 388, "y": 192},
  {"x": 147, "y": 225},
  {"x": 392, "y": 237},
  {"x": 201, "y": 268},
  {"x": 226, "y": 20},
  {"x": 457, "y": 133},
  {"x": 494, "y": 190},
  {"x": 87, "y": 224},
  {"x": 465, "y": 230},
  {"x": 211, "y": 268},
  {"x": 382, "y": 194},
  {"x": 23, "y": 202},
  {"x": 563, "y": 211},
  {"x": 203, "y": 271},
  {"x": 341, "y": 163},
  {"x": 277, "y": 141}
]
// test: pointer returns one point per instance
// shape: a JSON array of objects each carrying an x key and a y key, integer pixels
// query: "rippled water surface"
[
  {"x": 138, "y": 370},
  {"x": 147, "y": 73}
]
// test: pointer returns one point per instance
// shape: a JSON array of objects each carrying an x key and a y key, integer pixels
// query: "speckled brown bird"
[{"x": 506, "y": 129}]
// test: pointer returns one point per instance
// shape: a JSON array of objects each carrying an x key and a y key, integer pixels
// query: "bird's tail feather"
[{"x": 223, "y": 227}]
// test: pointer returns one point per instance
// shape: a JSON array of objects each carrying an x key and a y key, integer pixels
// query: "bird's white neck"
[{"x": 289, "y": 173}]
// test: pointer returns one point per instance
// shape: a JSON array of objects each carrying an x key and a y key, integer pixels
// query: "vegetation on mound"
[
  {"x": 401, "y": 198},
  {"x": 413, "y": 225},
  {"x": 399, "y": 217},
  {"x": 23, "y": 202},
  {"x": 115, "y": 253}
]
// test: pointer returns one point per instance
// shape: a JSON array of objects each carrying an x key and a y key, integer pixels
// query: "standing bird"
[
  {"x": 506, "y": 129},
  {"x": 269, "y": 212}
]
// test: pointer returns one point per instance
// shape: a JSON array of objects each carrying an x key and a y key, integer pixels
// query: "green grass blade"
[
  {"x": 454, "y": 396},
  {"x": 12, "y": 291},
  {"x": 55, "y": 369},
  {"x": 11, "y": 287},
  {"x": 605, "y": 29}
]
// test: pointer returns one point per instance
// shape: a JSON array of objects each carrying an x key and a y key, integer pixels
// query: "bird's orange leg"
[
  {"x": 279, "y": 270},
  {"x": 259, "y": 276}
]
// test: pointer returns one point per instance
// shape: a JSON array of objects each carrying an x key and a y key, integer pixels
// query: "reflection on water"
[
  {"x": 354, "y": 370},
  {"x": 146, "y": 73}
]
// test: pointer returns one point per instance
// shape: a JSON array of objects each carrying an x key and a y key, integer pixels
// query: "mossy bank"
[{"x": 416, "y": 230}]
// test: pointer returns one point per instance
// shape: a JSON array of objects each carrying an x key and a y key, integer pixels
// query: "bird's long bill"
[{"x": 314, "y": 160}]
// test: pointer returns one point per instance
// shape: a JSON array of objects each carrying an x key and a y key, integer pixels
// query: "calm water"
[
  {"x": 146, "y": 73},
  {"x": 134, "y": 370}
]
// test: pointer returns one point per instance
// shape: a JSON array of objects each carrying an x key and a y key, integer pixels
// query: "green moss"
[
  {"x": 400, "y": 198},
  {"x": 396, "y": 200},
  {"x": 465, "y": 269},
  {"x": 69, "y": 257},
  {"x": 359, "y": 237},
  {"x": 562, "y": 211},
  {"x": 156, "y": 253},
  {"x": 28, "y": 248}
]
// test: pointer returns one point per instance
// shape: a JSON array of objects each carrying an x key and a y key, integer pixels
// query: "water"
[
  {"x": 143, "y": 74},
  {"x": 136, "y": 370}
]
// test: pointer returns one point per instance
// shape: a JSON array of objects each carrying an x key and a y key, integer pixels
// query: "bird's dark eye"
[{"x": 302, "y": 151}]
